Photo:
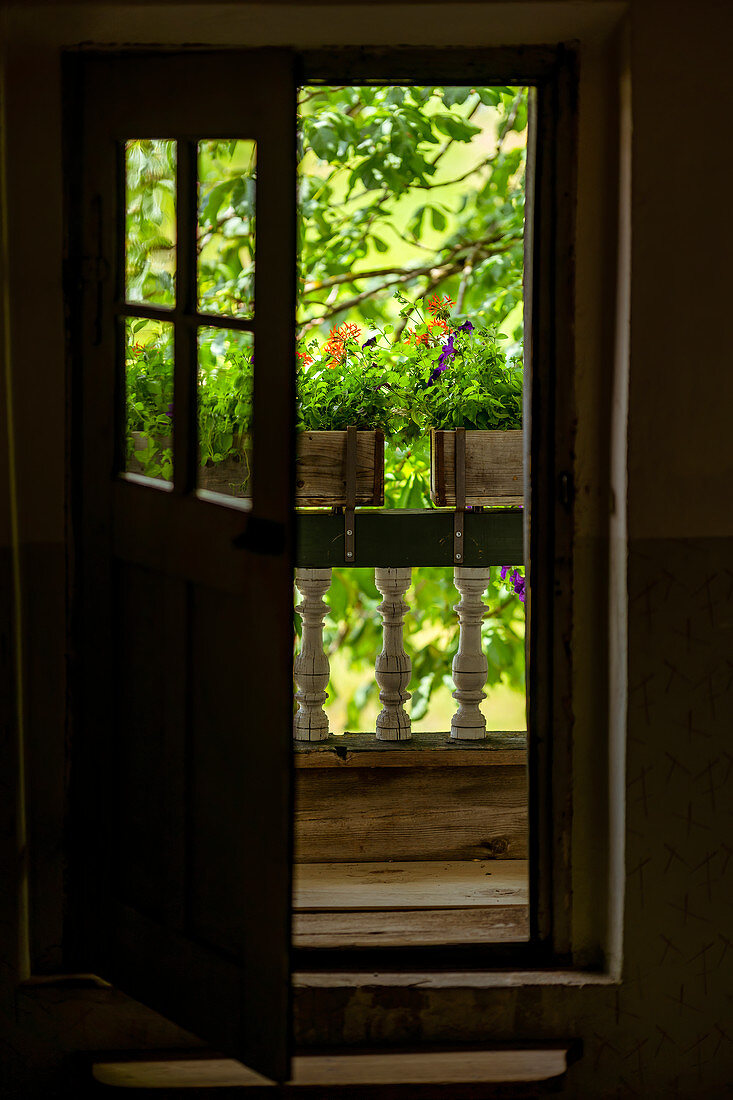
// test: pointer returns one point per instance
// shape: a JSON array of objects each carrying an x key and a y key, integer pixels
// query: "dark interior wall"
[{"x": 654, "y": 338}]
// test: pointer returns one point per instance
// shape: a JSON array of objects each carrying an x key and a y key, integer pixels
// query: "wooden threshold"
[
  {"x": 443, "y": 1073},
  {"x": 399, "y": 904}
]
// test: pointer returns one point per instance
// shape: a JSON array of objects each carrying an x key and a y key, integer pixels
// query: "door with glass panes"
[{"x": 181, "y": 743}]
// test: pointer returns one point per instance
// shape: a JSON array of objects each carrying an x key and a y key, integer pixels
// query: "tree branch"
[
  {"x": 414, "y": 272},
  {"x": 437, "y": 273}
]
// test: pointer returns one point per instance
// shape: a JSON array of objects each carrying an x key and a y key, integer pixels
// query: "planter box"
[
  {"x": 494, "y": 468},
  {"x": 320, "y": 469}
]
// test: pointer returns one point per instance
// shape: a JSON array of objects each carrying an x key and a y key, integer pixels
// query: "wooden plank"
[
  {"x": 360, "y": 1069},
  {"x": 320, "y": 468},
  {"x": 494, "y": 468},
  {"x": 425, "y": 750},
  {"x": 379, "y": 814},
  {"x": 454, "y": 884},
  {"x": 394, "y": 538},
  {"x": 412, "y": 927}
]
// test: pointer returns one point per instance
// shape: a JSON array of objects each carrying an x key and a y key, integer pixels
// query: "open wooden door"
[{"x": 181, "y": 755}]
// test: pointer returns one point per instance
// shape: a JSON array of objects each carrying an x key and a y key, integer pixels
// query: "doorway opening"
[{"x": 410, "y": 728}]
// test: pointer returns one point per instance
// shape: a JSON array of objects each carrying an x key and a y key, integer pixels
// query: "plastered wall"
[{"x": 656, "y": 342}]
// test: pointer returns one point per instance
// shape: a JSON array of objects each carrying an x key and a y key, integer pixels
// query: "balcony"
[{"x": 405, "y": 837}]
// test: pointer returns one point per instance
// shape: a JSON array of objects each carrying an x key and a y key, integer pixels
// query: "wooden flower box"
[
  {"x": 320, "y": 469},
  {"x": 494, "y": 468},
  {"x": 321, "y": 473}
]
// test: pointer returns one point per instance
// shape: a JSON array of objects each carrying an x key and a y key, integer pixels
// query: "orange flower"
[
  {"x": 336, "y": 344},
  {"x": 421, "y": 338},
  {"x": 305, "y": 357},
  {"x": 438, "y": 305}
]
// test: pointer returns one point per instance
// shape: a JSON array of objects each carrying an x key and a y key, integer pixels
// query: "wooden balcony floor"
[{"x": 410, "y": 903}]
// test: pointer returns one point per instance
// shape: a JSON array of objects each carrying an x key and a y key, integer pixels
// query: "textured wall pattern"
[{"x": 673, "y": 1017}]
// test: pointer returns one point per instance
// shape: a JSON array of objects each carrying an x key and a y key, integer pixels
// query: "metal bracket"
[
  {"x": 349, "y": 523},
  {"x": 459, "y": 516}
]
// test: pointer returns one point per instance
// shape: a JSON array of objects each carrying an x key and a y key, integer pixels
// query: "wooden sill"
[
  {"x": 401, "y": 904},
  {"x": 454, "y": 1073},
  {"x": 425, "y": 750}
]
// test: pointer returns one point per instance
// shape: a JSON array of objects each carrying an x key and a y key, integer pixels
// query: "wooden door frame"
[{"x": 549, "y": 453}]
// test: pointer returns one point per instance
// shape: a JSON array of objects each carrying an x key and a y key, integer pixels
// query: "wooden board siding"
[
  {"x": 494, "y": 468},
  {"x": 377, "y": 814}
]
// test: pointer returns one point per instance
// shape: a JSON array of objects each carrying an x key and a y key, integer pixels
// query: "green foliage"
[
  {"x": 149, "y": 385},
  {"x": 225, "y": 386},
  {"x": 226, "y": 227},
  {"x": 226, "y": 379},
  {"x": 150, "y": 221},
  {"x": 399, "y": 170}
]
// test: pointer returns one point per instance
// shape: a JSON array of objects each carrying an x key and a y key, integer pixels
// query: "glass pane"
[
  {"x": 226, "y": 230},
  {"x": 149, "y": 397},
  {"x": 225, "y": 374},
  {"x": 150, "y": 221}
]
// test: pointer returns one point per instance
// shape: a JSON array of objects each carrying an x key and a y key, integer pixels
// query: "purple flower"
[
  {"x": 447, "y": 351},
  {"x": 465, "y": 327},
  {"x": 516, "y": 579},
  {"x": 369, "y": 343},
  {"x": 435, "y": 374},
  {"x": 443, "y": 363},
  {"x": 169, "y": 411}
]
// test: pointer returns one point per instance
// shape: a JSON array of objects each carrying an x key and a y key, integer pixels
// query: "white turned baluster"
[
  {"x": 393, "y": 667},
  {"x": 470, "y": 667},
  {"x": 311, "y": 667}
]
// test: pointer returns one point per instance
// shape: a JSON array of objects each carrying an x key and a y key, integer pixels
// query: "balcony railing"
[{"x": 420, "y": 539}]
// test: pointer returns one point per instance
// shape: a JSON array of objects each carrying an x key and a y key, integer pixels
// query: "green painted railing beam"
[{"x": 400, "y": 538}]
